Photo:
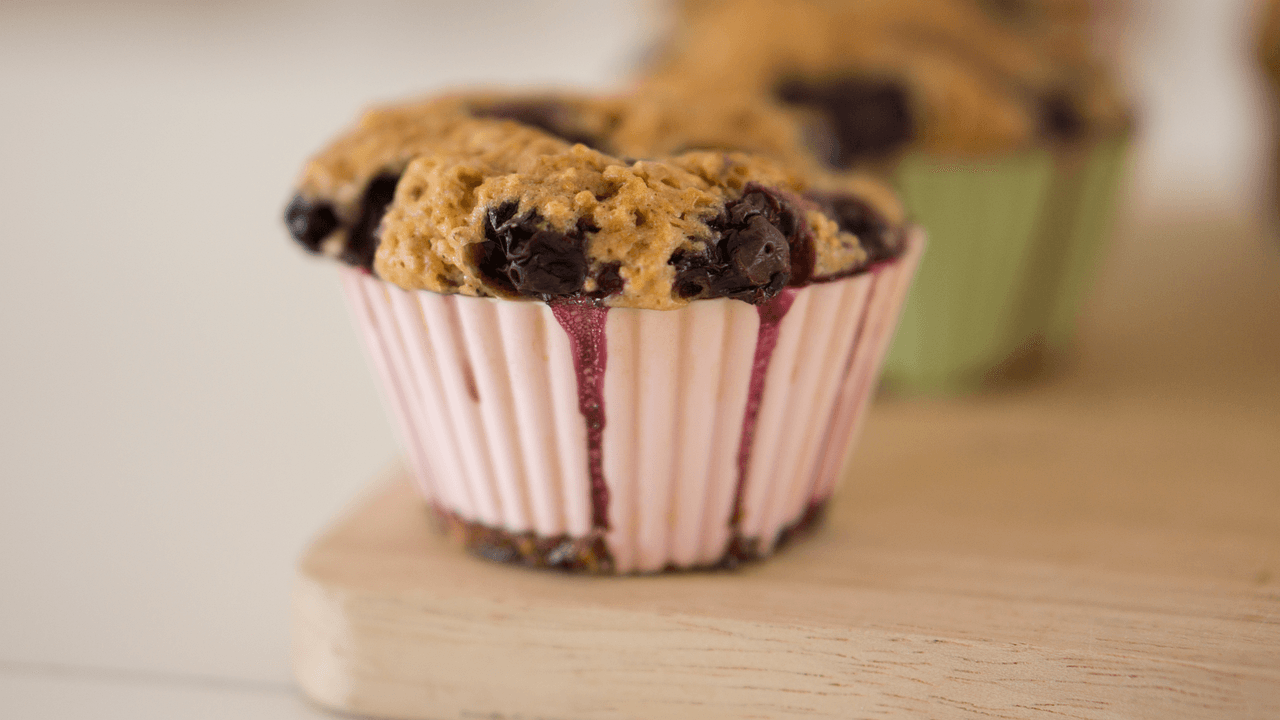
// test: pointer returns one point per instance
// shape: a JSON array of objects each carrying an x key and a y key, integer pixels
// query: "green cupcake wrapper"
[
  {"x": 1091, "y": 190},
  {"x": 981, "y": 217},
  {"x": 1012, "y": 244}
]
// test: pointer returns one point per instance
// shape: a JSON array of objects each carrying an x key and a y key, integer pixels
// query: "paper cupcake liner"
[
  {"x": 1012, "y": 245},
  {"x": 630, "y": 440},
  {"x": 1081, "y": 222},
  {"x": 982, "y": 217}
]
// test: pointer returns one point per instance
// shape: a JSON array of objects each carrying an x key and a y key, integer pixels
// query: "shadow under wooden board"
[{"x": 1106, "y": 544}]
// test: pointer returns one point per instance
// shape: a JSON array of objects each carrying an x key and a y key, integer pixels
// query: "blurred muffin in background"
[{"x": 996, "y": 120}]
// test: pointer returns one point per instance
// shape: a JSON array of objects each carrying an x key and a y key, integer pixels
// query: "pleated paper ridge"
[{"x": 484, "y": 394}]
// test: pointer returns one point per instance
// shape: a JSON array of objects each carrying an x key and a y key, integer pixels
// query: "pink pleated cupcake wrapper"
[{"x": 485, "y": 396}]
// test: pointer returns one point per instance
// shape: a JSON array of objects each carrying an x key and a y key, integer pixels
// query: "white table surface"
[{"x": 183, "y": 403}]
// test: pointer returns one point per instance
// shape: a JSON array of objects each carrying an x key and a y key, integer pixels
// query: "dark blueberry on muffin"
[
  {"x": 362, "y": 239},
  {"x": 523, "y": 255},
  {"x": 748, "y": 255},
  {"x": 880, "y": 238},
  {"x": 310, "y": 222},
  {"x": 1060, "y": 119},
  {"x": 867, "y": 118},
  {"x": 549, "y": 116}
]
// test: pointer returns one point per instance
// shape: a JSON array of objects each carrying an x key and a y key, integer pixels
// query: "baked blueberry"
[
  {"x": 608, "y": 280},
  {"x": 550, "y": 116},
  {"x": 310, "y": 222},
  {"x": 880, "y": 239},
  {"x": 868, "y": 118},
  {"x": 1060, "y": 119},
  {"x": 362, "y": 238},
  {"x": 524, "y": 256},
  {"x": 748, "y": 254}
]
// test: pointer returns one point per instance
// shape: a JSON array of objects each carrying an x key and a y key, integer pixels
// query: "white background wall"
[
  {"x": 1204, "y": 112},
  {"x": 182, "y": 402}
]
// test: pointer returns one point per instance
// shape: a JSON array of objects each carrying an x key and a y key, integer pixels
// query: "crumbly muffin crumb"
[{"x": 522, "y": 197}]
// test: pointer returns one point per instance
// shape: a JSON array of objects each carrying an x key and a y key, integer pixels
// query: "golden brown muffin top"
[
  {"x": 547, "y": 197},
  {"x": 874, "y": 77}
]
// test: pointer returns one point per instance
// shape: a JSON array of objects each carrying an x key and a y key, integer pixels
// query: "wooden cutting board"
[{"x": 1103, "y": 544}]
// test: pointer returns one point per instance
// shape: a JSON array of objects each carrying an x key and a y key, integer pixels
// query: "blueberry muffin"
[
  {"x": 877, "y": 77},
  {"x": 998, "y": 125},
  {"x": 599, "y": 358}
]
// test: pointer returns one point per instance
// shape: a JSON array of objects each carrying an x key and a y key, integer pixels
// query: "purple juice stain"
[
  {"x": 584, "y": 322},
  {"x": 771, "y": 314}
]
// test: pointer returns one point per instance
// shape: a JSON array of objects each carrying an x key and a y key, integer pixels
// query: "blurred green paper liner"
[
  {"x": 1012, "y": 245},
  {"x": 1090, "y": 193},
  {"x": 981, "y": 217}
]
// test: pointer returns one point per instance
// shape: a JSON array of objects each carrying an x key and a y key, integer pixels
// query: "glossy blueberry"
[
  {"x": 749, "y": 254},
  {"x": 523, "y": 256}
]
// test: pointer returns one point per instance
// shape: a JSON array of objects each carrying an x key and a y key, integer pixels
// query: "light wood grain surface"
[{"x": 1105, "y": 544}]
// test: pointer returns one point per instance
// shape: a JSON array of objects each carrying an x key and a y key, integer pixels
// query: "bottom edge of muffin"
[{"x": 590, "y": 554}]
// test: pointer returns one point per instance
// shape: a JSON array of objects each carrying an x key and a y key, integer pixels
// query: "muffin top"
[
  {"x": 872, "y": 78},
  {"x": 552, "y": 197}
]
